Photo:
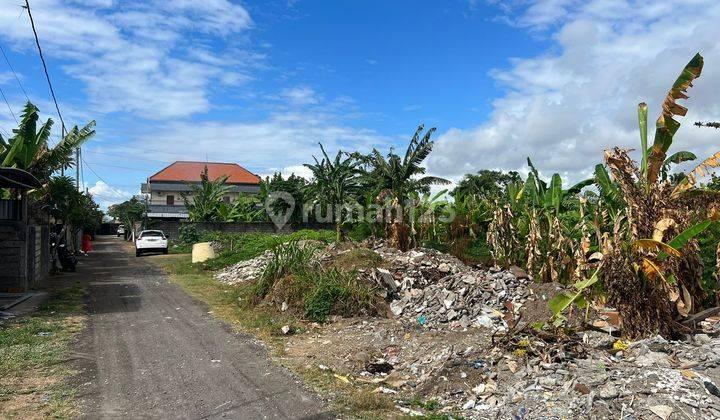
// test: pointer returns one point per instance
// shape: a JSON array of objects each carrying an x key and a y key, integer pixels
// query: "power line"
[
  {"x": 8, "y": 106},
  {"x": 101, "y": 178},
  {"x": 13, "y": 72},
  {"x": 123, "y": 167},
  {"x": 42, "y": 59}
]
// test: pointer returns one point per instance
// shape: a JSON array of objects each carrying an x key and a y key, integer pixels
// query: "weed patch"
[{"x": 32, "y": 349}]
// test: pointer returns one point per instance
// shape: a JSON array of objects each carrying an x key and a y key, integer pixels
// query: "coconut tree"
[
  {"x": 336, "y": 184},
  {"x": 29, "y": 147}
]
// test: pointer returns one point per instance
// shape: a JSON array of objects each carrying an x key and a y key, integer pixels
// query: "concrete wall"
[{"x": 13, "y": 256}]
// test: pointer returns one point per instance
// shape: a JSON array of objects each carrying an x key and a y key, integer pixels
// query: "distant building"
[{"x": 166, "y": 187}]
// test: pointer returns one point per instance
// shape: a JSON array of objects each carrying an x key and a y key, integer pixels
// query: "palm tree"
[
  {"x": 394, "y": 179},
  {"x": 336, "y": 183},
  {"x": 29, "y": 147}
]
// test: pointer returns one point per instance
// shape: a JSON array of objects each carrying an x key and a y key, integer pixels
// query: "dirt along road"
[{"x": 151, "y": 351}]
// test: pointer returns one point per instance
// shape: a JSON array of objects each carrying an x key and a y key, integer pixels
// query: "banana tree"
[
  {"x": 29, "y": 147},
  {"x": 205, "y": 200},
  {"x": 336, "y": 183},
  {"x": 659, "y": 210}
]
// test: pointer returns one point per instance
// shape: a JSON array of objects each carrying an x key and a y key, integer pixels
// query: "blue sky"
[{"x": 261, "y": 82}]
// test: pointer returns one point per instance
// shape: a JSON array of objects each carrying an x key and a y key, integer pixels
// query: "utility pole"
[{"x": 77, "y": 169}]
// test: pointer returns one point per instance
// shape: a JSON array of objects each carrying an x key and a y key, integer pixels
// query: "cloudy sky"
[{"x": 262, "y": 82}]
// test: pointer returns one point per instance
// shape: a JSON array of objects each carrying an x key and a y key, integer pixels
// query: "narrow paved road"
[{"x": 152, "y": 351}]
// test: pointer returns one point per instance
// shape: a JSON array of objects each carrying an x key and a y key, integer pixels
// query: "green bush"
[
  {"x": 244, "y": 246},
  {"x": 339, "y": 292},
  {"x": 319, "y": 291},
  {"x": 188, "y": 234}
]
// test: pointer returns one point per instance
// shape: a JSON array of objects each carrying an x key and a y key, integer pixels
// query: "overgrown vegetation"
[
  {"x": 635, "y": 236},
  {"x": 32, "y": 351}
]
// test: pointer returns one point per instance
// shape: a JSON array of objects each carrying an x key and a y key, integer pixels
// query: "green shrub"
[
  {"x": 244, "y": 246},
  {"x": 288, "y": 259},
  {"x": 304, "y": 283},
  {"x": 188, "y": 234},
  {"x": 339, "y": 292}
]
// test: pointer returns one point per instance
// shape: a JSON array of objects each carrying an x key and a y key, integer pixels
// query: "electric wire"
[
  {"x": 42, "y": 59},
  {"x": 2, "y": 50},
  {"x": 8, "y": 106}
]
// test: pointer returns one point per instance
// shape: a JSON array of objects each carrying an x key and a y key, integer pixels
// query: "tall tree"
[
  {"x": 336, "y": 183},
  {"x": 395, "y": 179}
]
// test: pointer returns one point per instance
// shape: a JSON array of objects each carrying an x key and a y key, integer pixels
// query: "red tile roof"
[{"x": 190, "y": 171}]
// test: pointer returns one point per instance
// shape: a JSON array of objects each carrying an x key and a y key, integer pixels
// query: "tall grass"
[{"x": 295, "y": 276}]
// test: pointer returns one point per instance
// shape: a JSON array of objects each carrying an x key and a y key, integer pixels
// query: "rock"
[
  {"x": 387, "y": 280},
  {"x": 518, "y": 272},
  {"x": 581, "y": 388},
  {"x": 703, "y": 339},
  {"x": 662, "y": 411},
  {"x": 608, "y": 391},
  {"x": 397, "y": 308},
  {"x": 548, "y": 382},
  {"x": 652, "y": 358},
  {"x": 444, "y": 268}
]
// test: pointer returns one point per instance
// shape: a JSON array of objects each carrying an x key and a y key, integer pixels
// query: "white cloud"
[
  {"x": 106, "y": 195},
  {"x": 300, "y": 95},
  {"x": 133, "y": 59},
  {"x": 565, "y": 106}
]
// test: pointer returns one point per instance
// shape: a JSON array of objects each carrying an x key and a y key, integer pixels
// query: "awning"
[{"x": 18, "y": 178}]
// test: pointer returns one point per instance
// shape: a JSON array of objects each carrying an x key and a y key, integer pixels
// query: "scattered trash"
[
  {"x": 44, "y": 334},
  {"x": 285, "y": 329}
]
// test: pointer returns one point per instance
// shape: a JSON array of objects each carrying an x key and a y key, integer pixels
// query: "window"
[
  {"x": 226, "y": 199},
  {"x": 170, "y": 200}
]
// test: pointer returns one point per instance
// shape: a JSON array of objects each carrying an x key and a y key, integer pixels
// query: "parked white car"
[
  {"x": 120, "y": 230},
  {"x": 151, "y": 241}
]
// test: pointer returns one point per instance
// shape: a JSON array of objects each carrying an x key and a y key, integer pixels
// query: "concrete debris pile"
[
  {"x": 464, "y": 375},
  {"x": 428, "y": 287},
  {"x": 245, "y": 271}
]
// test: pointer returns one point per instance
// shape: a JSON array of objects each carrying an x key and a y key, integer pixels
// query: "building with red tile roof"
[{"x": 166, "y": 187}]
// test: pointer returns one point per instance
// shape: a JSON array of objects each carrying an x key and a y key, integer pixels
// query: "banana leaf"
[
  {"x": 666, "y": 126},
  {"x": 642, "y": 123},
  {"x": 555, "y": 196},
  {"x": 575, "y": 189}
]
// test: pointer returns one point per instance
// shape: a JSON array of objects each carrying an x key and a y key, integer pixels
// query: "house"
[{"x": 166, "y": 187}]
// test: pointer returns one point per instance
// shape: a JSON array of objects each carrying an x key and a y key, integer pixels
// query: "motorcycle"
[{"x": 67, "y": 259}]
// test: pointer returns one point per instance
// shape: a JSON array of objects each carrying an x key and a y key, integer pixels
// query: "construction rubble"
[
  {"x": 436, "y": 290},
  {"x": 460, "y": 343}
]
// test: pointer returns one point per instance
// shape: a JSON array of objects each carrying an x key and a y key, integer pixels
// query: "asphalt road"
[{"x": 152, "y": 351}]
